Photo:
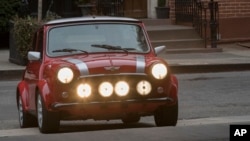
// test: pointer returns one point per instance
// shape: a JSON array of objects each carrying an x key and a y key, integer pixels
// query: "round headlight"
[
  {"x": 106, "y": 89},
  {"x": 65, "y": 75},
  {"x": 143, "y": 87},
  {"x": 159, "y": 71},
  {"x": 121, "y": 88},
  {"x": 84, "y": 90}
]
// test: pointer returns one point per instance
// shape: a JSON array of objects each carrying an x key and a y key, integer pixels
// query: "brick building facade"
[{"x": 234, "y": 19}]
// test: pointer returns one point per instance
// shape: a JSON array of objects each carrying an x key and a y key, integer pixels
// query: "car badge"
[{"x": 112, "y": 68}]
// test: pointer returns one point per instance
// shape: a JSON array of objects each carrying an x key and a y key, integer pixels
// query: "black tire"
[
  {"x": 131, "y": 119},
  {"x": 25, "y": 119},
  {"x": 48, "y": 122},
  {"x": 166, "y": 116}
]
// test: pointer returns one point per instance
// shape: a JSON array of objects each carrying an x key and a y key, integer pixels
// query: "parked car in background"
[{"x": 99, "y": 68}]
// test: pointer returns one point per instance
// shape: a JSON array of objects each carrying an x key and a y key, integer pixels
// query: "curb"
[
  {"x": 181, "y": 69},
  {"x": 11, "y": 74},
  {"x": 193, "y": 50}
]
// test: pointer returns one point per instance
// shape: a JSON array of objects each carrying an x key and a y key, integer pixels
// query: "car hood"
[{"x": 108, "y": 63}]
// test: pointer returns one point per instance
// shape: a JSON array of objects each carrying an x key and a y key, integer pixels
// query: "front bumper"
[
  {"x": 149, "y": 100},
  {"x": 110, "y": 109}
]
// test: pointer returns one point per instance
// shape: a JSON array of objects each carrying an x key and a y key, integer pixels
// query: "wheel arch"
[
  {"x": 43, "y": 89},
  {"x": 174, "y": 88},
  {"x": 22, "y": 90}
]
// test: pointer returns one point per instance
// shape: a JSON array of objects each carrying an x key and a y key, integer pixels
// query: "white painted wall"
[{"x": 151, "y": 8}]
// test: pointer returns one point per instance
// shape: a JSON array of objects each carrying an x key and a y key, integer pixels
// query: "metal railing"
[
  {"x": 214, "y": 22},
  {"x": 206, "y": 21},
  {"x": 200, "y": 20},
  {"x": 184, "y": 10},
  {"x": 110, "y": 7},
  {"x": 203, "y": 15}
]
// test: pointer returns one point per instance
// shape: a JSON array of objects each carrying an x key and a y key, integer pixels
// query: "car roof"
[{"x": 92, "y": 19}]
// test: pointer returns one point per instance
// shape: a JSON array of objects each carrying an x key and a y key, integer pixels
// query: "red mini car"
[{"x": 99, "y": 68}]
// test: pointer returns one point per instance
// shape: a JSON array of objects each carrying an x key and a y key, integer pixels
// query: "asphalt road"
[{"x": 209, "y": 103}]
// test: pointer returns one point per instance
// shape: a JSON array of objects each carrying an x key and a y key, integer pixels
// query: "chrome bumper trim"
[{"x": 165, "y": 99}]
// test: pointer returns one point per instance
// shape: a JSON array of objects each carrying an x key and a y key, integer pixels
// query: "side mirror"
[
  {"x": 34, "y": 56},
  {"x": 159, "y": 49}
]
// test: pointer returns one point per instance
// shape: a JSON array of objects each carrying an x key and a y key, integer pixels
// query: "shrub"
[
  {"x": 8, "y": 8},
  {"x": 23, "y": 30},
  {"x": 161, "y": 3}
]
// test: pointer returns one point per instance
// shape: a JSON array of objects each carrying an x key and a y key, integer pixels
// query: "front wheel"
[
  {"x": 166, "y": 116},
  {"x": 48, "y": 122},
  {"x": 25, "y": 119}
]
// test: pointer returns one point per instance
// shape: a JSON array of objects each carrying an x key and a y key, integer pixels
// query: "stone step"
[
  {"x": 173, "y": 34},
  {"x": 192, "y": 50},
  {"x": 157, "y": 22},
  {"x": 179, "y": 43},
  {"x": 162, "y": 32}
]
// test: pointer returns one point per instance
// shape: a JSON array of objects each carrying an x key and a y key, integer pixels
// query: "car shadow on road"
[{"x": 84, "y": 127}]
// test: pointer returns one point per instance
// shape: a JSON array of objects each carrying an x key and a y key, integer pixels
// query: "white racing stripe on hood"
[
  {"x": 82, "y": 67},
  {"x": 140, "y": 64}
]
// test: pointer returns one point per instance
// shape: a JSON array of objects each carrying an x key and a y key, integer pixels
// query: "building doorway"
[{"x": 135, "y": 8}]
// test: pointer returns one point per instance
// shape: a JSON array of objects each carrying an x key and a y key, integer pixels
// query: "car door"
[{"x": 32, "y": 74}]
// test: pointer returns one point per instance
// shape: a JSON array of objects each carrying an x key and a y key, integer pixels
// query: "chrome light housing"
[
  {"x": 106, "y": 89},
  {"x": 159, "y": 71},
  {"x": 65, "y": 75},
  {"x": 84, "y": 90},
  {"x": 121, "y": 88}
]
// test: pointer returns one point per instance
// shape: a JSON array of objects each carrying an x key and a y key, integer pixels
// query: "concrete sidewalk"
[{"x": 233, "y": 57}]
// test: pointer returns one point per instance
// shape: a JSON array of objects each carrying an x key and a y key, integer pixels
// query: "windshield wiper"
[
  {"x": 109, "y": 47},
  {"x": 129, "y": 49},
  {"x": 69, "y": 50}
]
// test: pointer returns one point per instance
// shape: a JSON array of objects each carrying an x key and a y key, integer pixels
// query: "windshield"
[{"x": 94, "y": 38}]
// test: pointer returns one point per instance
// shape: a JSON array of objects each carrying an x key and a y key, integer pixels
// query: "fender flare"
[
  {"x": 174, "y": 88},
  {"x": 45, "y": 92},
  {"x": 22, "y": 90}
]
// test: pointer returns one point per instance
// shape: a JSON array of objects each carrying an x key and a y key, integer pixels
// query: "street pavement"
[{"x": 230, "y": 57}]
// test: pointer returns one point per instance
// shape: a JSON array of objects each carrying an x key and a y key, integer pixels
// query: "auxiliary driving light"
[
  {"x": 84, "y": 90},
  {"x": 106, "y": 89},
  {"x": 121, "y": 88},
  {"x": 144, "y": 87}
]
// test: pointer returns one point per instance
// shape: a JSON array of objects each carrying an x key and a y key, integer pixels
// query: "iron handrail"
[{"x": 206, "y": 17}]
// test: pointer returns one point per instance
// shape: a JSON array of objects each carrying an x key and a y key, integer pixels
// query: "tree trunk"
[{"x": 40, "y": 8}]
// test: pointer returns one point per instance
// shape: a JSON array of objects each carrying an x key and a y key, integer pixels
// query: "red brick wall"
[
  {"x": 172, "y": 10},
  {"x": 234, "y": 15},
  {"x": 234, "y": 8},
  {"x": 234, "y": 20}
]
